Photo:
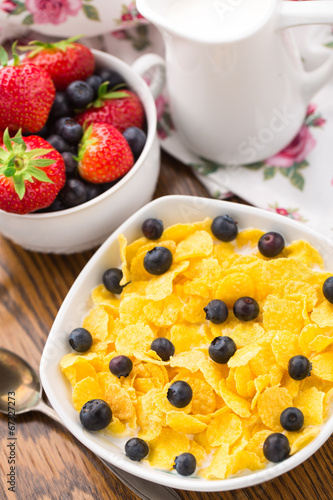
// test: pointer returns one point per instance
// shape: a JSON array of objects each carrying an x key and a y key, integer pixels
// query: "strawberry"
[
  {"x": 31, "y": 173},
  {"x": 27, "y": 94},
  {"x": 120, "y": 108},
  {"x": 104, "y": 154},
  {"x": 65, "y": 61}
]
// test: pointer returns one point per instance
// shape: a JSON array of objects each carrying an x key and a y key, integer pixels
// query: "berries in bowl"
[
  {"x": 90, "y": 205},
  {"x": 204, "y": 395}
]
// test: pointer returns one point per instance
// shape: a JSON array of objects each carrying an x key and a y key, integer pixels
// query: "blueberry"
[
  {"x": 276, "y": 447},
  {"x": 60, "y": 107},
  {"x": 136, "y": 449},
  {"x": 43, "y": 132},
  {"x": 121, "y": 366},
  {"x": 113, "y": 77},
  {"x": 185, "y": 464},
  {"x": 246, "y": 309},
  {"x": 179, "y": 394},
  {"x": 58, "y": 143},
  {"x": 158, "y": 260},
  {"x": 163, "y": 347},
  {"x": 299, "y": 367},
  {"x": 70, "y": 164},
  {"x": 69, "y": 129},
  {"x": 79, "y": 94},
  {"x": 95, "y": 415},
  {"x": 105, "y": 186},
  {"x": 292, "y": 419},
  {"x": 216, "y": 311},
  {"x": 80, "y": 339},
  {"x": 136, "y": 139},
  {"x": 152, "y": 228},
  {"x": 111, "y": 279},
  {"x": 271, "y": 244},
  {"x": 74, "y": 193},
  {"x": 94, "y": 81},
  {"x": 222, "y": 349},
  {"x": 328, "y": 289},
  {"x": 93, "y": 190},
  {"x": 224, "y": 228}
]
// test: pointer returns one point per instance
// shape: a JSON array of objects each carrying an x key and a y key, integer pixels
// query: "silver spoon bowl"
[{"x": 18, "y": 376}]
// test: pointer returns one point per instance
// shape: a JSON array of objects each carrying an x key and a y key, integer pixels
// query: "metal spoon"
[{"x": 17, "y": 375}]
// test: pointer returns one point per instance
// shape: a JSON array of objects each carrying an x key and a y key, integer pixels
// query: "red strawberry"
[
  {"x": 120, "y": 108},
  {"x": 31, "y": 173},
  {"x": 27, "y": 94},
  {"x": 65, "y": 61},
  {"x": 104, "y": 154}
]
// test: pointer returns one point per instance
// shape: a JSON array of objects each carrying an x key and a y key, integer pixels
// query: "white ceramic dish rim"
[
  {"x": 151, "y": 128},
  {"x": 146, "y": 472}
]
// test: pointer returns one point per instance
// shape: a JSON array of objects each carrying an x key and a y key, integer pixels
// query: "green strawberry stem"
[
  {"x": 104, "y": 95},
  {"x": 22, "y": 165},
  {"x": 4, "y": 56},
  {"x": 85, "y": 142},
  {"x": 38, "y": 46}
]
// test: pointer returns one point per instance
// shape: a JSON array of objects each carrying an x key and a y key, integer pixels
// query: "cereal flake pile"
[{"x": 235, "y": 406}]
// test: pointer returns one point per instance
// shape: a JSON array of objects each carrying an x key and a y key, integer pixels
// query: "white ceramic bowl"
[
  {"x": 171, "y": 209},
  {"x": 87, "y": 225}
]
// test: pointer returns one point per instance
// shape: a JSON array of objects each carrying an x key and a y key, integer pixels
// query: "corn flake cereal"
[{"x": 235, "y": 406}]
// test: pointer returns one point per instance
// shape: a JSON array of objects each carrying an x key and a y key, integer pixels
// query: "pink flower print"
[
  {"x": 53, "y": 11},
  {"x": 318, "y": 122},
  {"x": 281, "y": 211},
  {"x": 160, "y": 106},
  {"x": 120, "y": 34},
  {"x": 311, "y": 109},
  {"x": 296, "y": 151},
  {"x": 127, "y": 17},
  {"x": 8, "y": 6}
]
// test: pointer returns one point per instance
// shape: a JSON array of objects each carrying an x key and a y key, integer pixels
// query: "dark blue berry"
[
  {"x": 70, "y": 164},
  {"x": 299, "y": 367},
  {"x": 246, "y": 309},
  {"x": 276, "y": 447},
  {"x": 113, "y": 77},
  {"x": 185, "y": 464},
  {"x": 136, "y": 449},
  {"x": 271, "y": 244},
  {"x": 224, "y": 228},
  {"x": 60, "y": 107},
  {"x": 216, "y": 311},
  {"x": 292, "y": 419},
  {"x": 95, "y": 415},
  {"x": 80, "y": 339},
  {"x": 222, "y": 349},
  {"x": 74, "y": 193},
  {"x": 58, "y": 143},
  {"x": 163, "y": 347},
  {"x": 79, "y": 94},
  {"x": 69, "y": 129},
  {"x": 111, "y": 279},
  {"x": 121, "y": 366},
  {"x": 179, "y": 394},
  {"x": 105, "y": 186},
  {"x": 158, "y": 260},
  {"x": 152, "y": 229},
  {"x": 94, "y": 81},
  {"x": 93, "y": 190},
  {"x": 136, "y": 139},
  {"x": 328, "y": 289}
]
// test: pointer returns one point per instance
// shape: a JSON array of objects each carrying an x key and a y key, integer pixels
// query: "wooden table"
[{"x": 51, "y": 464}]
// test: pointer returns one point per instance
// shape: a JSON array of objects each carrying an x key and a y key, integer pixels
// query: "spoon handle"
[{"x": 142, "y": 488}]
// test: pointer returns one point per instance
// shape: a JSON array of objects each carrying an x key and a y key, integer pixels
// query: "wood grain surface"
[{"x": 51, "y": 464}]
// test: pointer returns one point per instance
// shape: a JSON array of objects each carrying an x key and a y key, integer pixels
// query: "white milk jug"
[{"x": 238, "y": 89}]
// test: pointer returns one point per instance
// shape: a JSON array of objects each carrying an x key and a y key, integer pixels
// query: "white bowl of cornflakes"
[{"x": 234, "y": 406}]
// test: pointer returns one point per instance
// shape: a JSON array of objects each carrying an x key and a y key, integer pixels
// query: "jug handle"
[
  {"x": 302, "y": 13},
  {"x": 145, "y": 64}
]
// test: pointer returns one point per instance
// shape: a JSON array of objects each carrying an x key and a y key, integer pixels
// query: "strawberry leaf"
[
  {"x": 43, "y": 162},
  {"x": 38, "y": 174},
  {"x": 19, "y": 185},
  {"x": 3, "y": 57},
  {"x": 6, "y": 141},
  {"x": 30, "y": 155},
  {"x": 9, "y": 172},
  {"x": 15, "y": 54}
]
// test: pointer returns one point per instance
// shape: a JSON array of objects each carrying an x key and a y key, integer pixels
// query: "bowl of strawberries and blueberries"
[{"x": 69, "y": 130}]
